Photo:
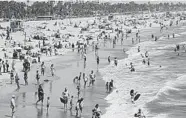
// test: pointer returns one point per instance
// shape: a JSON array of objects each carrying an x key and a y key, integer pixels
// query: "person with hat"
[{"x": 12, "y": 104}]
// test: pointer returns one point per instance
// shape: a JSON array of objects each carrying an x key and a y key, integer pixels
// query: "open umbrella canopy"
[
  {"x": 17, "y": 48},
  {"x": 35, "y": 50},
  {"x": 83, "y": 25}
]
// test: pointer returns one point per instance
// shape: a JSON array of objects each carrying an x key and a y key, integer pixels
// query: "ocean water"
[{"x": 162, "y": 85}]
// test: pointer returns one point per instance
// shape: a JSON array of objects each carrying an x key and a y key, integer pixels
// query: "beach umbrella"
[
  {"x": 17, "y": 48},
  {"x": 91, "y": 22},
  {"x": 83, "y": 25}
]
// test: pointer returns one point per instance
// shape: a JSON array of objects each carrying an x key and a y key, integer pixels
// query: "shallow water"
[
  {"x": 67, "y": 67},
  {"x": 162, "y": 95}
]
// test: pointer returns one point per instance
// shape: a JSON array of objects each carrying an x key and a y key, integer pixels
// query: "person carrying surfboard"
[{"x": 134, "y": 96}]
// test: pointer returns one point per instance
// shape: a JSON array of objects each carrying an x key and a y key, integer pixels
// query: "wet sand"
[{"x": 67, "y": 67}]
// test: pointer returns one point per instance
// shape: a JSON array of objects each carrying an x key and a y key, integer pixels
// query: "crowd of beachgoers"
[{"x": 27, "y": 51}]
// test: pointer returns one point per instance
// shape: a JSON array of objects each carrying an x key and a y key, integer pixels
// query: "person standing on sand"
[
  {"x": 79, "y": 107},
  {"x": 17, "y": 81},
  {"x": 85, "y": 59},
  {"x": 48, "y": 103},
  {"x": 79, "y": 78},
  {"x": 73, "y": 47},
  {"x": 92, "y": 78},
  {"x": 71, "y": 102},
  {"x": 11, "y": 76},
  {"x": 39, "y": 44},
  {"x": 65, "y": 95},
  {"x": 13, "y": 64},
  {"x": 115, "y": 61},
  {"x": 52, "y": 69},
  {"x": 4, "y": 69},
  {"x": 40, "y": 94},
  {"x": 7, "y": 66},
  {"x": 39, "y": 58},
  {"x": 0, "y": 66},
  {"x": 109, "y": 59},
  {"x": 26, "y": 77},
  {"x": 12, "y": 105},
  {"x": 37, "y": 77},
  {"x": 97, "y": 59},
  {"x": 43, "y": 68},
  {"x": 78, "y": 91},
  {"x": 148, "y": 62},
  {"x": 138, "y": 48},
  {"x": 132, "y": 40},
  {"x": 85, "y": 78}
]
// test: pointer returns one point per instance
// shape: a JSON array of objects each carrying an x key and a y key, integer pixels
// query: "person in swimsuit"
[{"x": 139, "y": 114}]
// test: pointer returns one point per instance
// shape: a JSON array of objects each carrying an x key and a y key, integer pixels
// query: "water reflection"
[
  {"x": 50, "y": 88},
  {"x": 24, "y": 98},
  {"x": 39, "y": 112}
]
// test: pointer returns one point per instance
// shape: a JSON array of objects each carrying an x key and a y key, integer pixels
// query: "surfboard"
[
  {"x": 137, "y": 97},
  {"x": 9, "y": 116},
  {"x": 63, "y": 100}
]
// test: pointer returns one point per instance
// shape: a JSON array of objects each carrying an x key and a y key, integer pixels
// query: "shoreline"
[{"x": 110, "y": 98}]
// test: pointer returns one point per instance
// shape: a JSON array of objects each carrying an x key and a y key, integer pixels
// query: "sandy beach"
[{"x": 150, "y": 55}]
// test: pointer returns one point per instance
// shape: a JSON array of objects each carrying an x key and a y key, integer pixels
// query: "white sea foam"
[{"x": 146, "y": 80}]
